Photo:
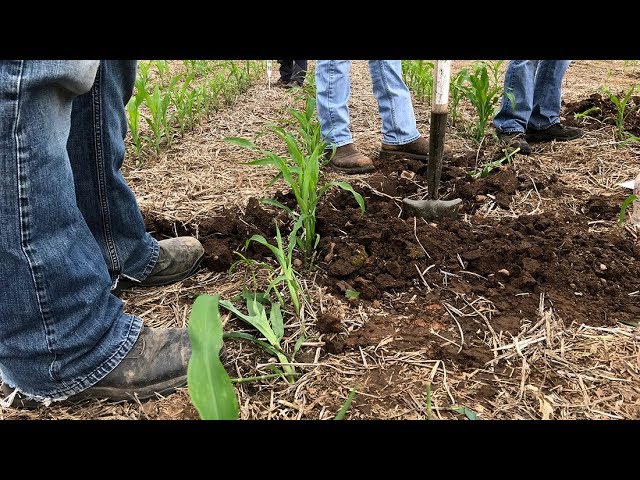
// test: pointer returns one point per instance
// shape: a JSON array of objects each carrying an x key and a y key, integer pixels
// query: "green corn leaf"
[
  {"x": 625, "y": 205},
  {"x": 352, "y": 294},
  {"x": 275, "y": 203},
  {"x": 241, "y": 142},
  {"x": 347, "y": 403},
  {"x": 275, "y": 318},
  {"x": 251, "y": 338},
  {"x": 470, "y": 414},
  {"x": 259, "y": 322},
  {"x": 210, "y": 388},
  {"x": 631, "y": 323},
  {"x": 345, "y": 186}
]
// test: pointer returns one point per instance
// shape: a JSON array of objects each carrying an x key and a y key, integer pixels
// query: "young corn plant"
[
  {"x": 300, "y": 170},
  {"x": 284, "y": 257},
  {"x": 485, "y": 97},
  {"x": 271, "y": 327},
  {"x": 133, "y": 118},
  {"x": 487, "y": 168},
  {"x": 157, "y": 104},
  {"x": 455, "y": 88},
  {"x": 418, "y": 76},
  {"x": 621, "y": 104},
  {"x": 210, "y": 387}
]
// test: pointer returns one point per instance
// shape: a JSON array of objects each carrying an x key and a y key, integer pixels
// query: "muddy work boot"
[
  {"x": 418, "y": 149},
  {"x": 557, "y": 132},
  {"x": 178, "y": 259},
  {"x": 156, "y": 365},
  {"x": 349, "y": 159},
  {"x": 515, "y": 140}
]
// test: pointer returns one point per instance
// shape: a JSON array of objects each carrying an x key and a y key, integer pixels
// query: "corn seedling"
[
  {"x": 428, "y": 402},
  {"x": 210, "y": 388},
  {"x": 157, "y": 105},
  {"x": 484, "y": 96},
  {"x": 621, "y": 103},
  {"x": 133, "y": 118},
  {"x": 623, "y": 208},
  {"x": 287, "y": 273},
  {"x": 487, "y": 168},
  {"x": 467, "y": 412},
  {"x": 456, "y": 93},
  {"x": 300, "y": 170},
  {"x": 271, "y": 327},
  {"x": 586, "y": 113},
  {"x": 352, "y": 294},
  {"x": 418, "y": 76},
  {"x": 347, "y": 403}
]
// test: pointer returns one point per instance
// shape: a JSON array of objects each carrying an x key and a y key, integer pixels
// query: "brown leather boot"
[
  {"x": 418, "y": 149},
  {"x": 156, "y": 365},
  {"x": 349, "y": 159}
]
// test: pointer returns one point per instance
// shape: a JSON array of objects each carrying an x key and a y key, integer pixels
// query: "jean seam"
[
  {"x": 100, "y": 172},
  {"x": 385, "y": 85},
  {"x": 25, "y": 235}
]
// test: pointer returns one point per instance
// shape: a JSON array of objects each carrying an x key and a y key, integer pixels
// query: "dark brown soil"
[
  {"x": 587, "y": 276},
  {"x": 598, "y": 110}
]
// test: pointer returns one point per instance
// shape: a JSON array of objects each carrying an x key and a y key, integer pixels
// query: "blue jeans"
[
  {"x": 69, "y": 224},
  {"x": 333, "y": 87},
  {"x": 537, "y": 87}
]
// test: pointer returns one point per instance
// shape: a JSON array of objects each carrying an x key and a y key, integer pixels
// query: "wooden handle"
[{"x": 441, "y": 77}]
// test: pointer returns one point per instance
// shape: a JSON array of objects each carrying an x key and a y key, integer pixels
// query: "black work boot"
[
  {"x": 156, "y": 365},
  {"x": 557, "y": 132},
  {"x": 178, "y": 259},
  {"x": 515, "y": 140}
]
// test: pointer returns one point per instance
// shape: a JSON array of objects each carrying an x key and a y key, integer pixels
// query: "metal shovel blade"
[{"x": 434, "y": 209}]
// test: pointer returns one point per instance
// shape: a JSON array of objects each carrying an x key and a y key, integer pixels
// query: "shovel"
[{"x": 432, "y": 208}]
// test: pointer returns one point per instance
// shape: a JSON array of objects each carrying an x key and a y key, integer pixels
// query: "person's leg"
[
  {"x": 61, "y": 330},
  {"x": 96, "y": 151},
  {"x": 547, "y": 93},
  {"x": 285, "y": 70},
  {"x": 544, "y": 124},
  {"x": 299, "y": 71},
  {"x": 333, "y": 87},
  {"x": 519, "y": 82},
  {"x": 394, "y": 102},
  {"x": 517, "y": 104}
]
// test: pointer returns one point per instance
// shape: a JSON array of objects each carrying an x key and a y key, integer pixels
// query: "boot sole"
[
  {"x": 124, "y": 283},
  {"x": 354, "y": 169},
  {"x": 536, "y": 138},
  {"x": 387, "y": 155},
  {"x": 112, "y": 395}
]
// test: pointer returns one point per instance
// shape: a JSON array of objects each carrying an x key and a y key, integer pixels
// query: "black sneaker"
[
  {"x": 178, "y": 259},
  {"x": 557, "y": 132},
  {"x": 156, "y": 365},
  {"x": 515, "y": 140}
]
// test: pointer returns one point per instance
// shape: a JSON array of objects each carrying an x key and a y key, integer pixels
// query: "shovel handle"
[
  {"x": 438, "y": 127},
  {"x": 442, "y": 76}
]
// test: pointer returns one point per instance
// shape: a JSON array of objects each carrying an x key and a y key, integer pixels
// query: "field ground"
[{"x": 522, "y": 308}]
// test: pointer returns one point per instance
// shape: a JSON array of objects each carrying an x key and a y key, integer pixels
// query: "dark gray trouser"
[{"x": 295, "y": 70}]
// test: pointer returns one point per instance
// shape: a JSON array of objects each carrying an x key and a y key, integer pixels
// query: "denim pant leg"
[
  {"x": 519, "y": 80},
  {"x": 547, "y": 93},
  {"x": 61, "y": 330},
  {"x": 96, "y": 150},
  {"x": 394, "y": 102},
  {"x": 333, "y": 87}
]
